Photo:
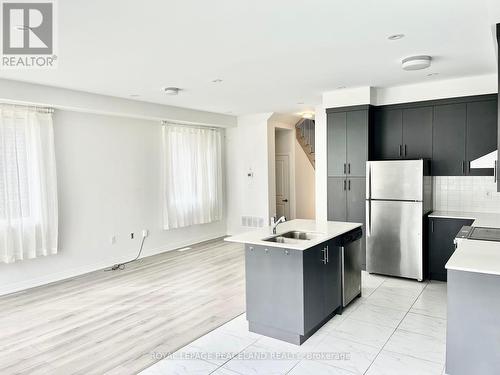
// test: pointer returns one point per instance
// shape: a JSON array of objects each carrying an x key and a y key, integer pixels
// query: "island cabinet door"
[
  {"x": 274, "y": 287},
  {"x": 332, "y": 278},
  {"x": 314, "y": 301}
]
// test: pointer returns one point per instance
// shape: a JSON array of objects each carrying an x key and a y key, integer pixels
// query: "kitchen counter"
[
  {"x": 328, "y": 230},
  {"x": 481, "y": 219},
  {"x": 473, "y": 255}
]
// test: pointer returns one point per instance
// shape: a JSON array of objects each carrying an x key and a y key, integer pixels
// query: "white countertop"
[
  {"x": 328, "y": 230},
  {"x": 474, "y": 255},
  {"x": 481, "y": 219}
]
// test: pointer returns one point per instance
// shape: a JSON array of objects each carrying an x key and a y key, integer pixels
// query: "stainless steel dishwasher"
[{"x": 350, "y": 258}]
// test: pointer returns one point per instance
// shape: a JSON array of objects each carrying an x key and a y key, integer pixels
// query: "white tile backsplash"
[{"x": 465, "y": 193}]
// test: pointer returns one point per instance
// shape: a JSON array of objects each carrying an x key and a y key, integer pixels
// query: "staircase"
[{"x": 304, "y": 132}]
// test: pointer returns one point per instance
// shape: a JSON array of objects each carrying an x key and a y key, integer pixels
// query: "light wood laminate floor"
[{"x": 115, "y": 322}]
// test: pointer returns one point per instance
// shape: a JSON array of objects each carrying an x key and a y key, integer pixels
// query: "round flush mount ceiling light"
[
  {"x": 308, "y": 115},
  {"x": 416, "y": 62},
  {"x": 171, "y": 90},
  {"x": 396, "y": 36}
]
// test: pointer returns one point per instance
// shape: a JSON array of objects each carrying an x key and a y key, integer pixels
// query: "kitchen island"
[
  {"x": 473, "y": 290},
  {"x": 294, "y": 278}
]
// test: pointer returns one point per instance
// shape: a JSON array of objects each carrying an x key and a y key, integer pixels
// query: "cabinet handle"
[
  {"x": 463, "y": 167},
  {"x": 344, "y": 168},
  {"x": 432, "y": 226},
  {"x": 349, "y": 168},
  {"x": 405, "y": 149},
  {"x": 349, "y": 185},
  {"x": 495, "y": 172},
  {"x": 344, "y": 185},
  {"x": 324, "y": 255},
  {"x": 400, "y": 150},
  {"x": 327, "y": 255}
]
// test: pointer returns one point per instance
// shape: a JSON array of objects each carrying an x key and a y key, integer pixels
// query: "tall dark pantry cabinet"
[{"x": 347, "y": 154}]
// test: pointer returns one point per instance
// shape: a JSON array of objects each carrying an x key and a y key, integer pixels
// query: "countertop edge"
[{"x": 309, "y": 244}]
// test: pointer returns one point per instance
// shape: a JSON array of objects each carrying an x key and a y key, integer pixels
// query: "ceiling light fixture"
[
  {"x": 300, "y": 103},
  {"x": 416, "y": 62},
  {"x": 432, "y": 74},
  {"x": 134, "y": 95},
  {"x": 396, "y": 36},
  {"x": 308, "y": 115},
  {"x": 218, "y": 80},
  {"x": 171, "y": 90},
  {"x": 340, "y": 87}
]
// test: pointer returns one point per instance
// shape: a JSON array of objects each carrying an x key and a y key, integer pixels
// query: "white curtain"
[
  {"x": 192, "y": 176},
  {"x": 28, "y": 187}
]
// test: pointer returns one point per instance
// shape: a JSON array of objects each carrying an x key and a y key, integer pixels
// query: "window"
[
  {"x": 192, "y": 176},
  {"x": 28, "y": 193}
]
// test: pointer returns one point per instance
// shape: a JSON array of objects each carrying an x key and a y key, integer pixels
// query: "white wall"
[
  {"x": 304, "y": 185},
  {"x": 320, "y": 163},
  {"x": 437, "y": 89},
  {"x": 108, "y": 171},
  {"x": 247, "y": 151}
]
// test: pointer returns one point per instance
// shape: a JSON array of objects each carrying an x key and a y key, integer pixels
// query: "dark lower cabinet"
[
  {"x": 347, "y": 202},
  {"x": 290, "y": 293},
  {"x": 442, "y": 232}
]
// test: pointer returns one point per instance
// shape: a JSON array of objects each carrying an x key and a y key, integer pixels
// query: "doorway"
[{"x": 283, "y": 185}]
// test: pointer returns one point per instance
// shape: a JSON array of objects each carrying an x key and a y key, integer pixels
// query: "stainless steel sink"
[{"x": 293, "y": 237}]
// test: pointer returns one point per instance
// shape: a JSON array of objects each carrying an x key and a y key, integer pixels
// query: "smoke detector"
[
  {"x": 171, "y": 90},
  {"x": 416, "y": 62}
]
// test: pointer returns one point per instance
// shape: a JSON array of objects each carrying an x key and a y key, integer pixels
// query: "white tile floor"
[{"x": 397, "y": 327}]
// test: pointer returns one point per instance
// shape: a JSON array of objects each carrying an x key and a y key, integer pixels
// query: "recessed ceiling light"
[
  {"x": 396, "y": 36},
  {"x": 134, "y": 95},
  {"x": 416, "y": 62},
  {"x": 340, "y": 87},
  {"x": 432, "y": 74},
  {"x": 300, "y": 103},
  {"x": 217, "y": 80},
  {"x": 308, "y": 115},
  {"x": 171, "y": 90}
]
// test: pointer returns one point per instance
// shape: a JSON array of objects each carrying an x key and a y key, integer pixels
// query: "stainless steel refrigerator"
[{"x": 398, "y": 195}]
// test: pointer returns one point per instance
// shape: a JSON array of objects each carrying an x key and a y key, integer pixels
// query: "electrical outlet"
[{"x": 132, "y": 235}]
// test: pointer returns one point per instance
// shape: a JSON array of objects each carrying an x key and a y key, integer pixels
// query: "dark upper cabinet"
[
  {"x": 347, "y": 134},
  {"x": 336, "y": 140},
  {"x": 481, "y": 133},
  {"x": 417, "y": 133},
  {"x": 402, "y": 133},
  {"x": 357, "y": 142},
  {"x": 442, "y": 232},
  {"x": 449, "y": 132},
  {"x": 387, "y": 135}
]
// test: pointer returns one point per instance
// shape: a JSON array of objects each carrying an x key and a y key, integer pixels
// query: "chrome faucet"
[{"x": 274, "y": 222}]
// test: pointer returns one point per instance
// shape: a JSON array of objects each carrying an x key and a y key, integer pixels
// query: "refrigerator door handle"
[
  {"x": 369, "y": 181},
  {"x": 368, "y": 218}
]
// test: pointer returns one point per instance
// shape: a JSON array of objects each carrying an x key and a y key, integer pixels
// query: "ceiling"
[{"x": 271, "y": 55}]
